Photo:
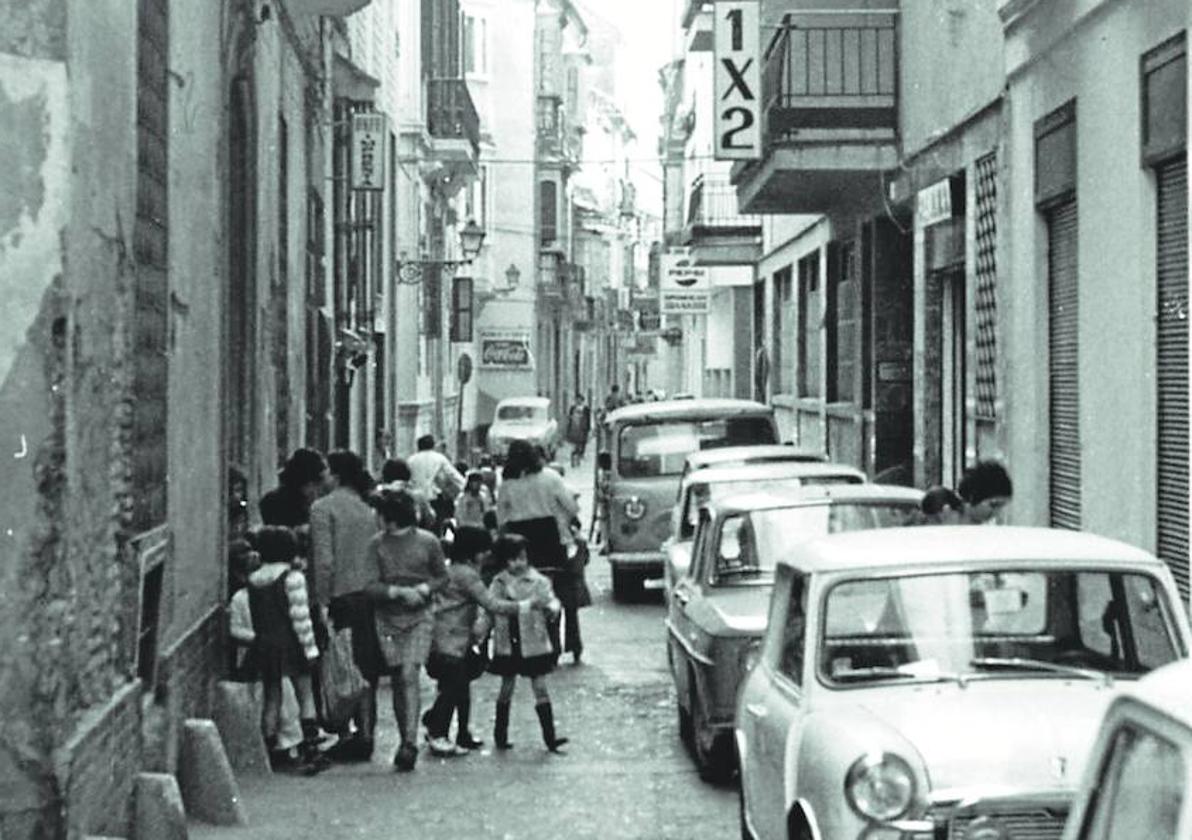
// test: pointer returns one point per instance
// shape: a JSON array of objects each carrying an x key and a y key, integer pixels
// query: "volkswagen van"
[{"x": 643, "y": 450}]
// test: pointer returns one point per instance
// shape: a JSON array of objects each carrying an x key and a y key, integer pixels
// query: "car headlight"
[
  {"x": 634, "y": 508},
  {"x": 880, "y": 786}
]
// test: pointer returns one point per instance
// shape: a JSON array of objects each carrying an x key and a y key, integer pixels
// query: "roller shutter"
[
  {"x": 1063, "y": 366},
  {"x": 1172, "y": 363}
]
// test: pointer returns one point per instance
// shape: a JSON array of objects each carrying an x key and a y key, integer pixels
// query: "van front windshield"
[{"x": 661, "y": 448}]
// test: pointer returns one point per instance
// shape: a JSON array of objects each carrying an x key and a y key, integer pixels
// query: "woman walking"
[
  {"x": 521, "y": 643},
  {"x": 534, "y": 502},
  {"x": 456, "y": 658},
  {"x": 408, "y": 569}
]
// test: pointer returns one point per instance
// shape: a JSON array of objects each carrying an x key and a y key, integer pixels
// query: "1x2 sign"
[{"x": 737, "y": 80}]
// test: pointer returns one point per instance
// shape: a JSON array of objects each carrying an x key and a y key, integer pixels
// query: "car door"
[
  {"x": 776, "y": 716},
  {"x": 683, "y": 634}
]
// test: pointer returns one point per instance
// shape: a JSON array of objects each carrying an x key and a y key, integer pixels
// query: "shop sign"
[
  {"x": 368, "y": 151},
  {"x": 737, "y": 80},
  {"x": 505, "y": 349},
  {"x": 684, "y": 287},
  {"x": 934, "y": 204}
]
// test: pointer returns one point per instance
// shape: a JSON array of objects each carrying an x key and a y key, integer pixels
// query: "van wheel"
[
  {"x": 626, "y": 585},
  {"x": 685, "y": 727}
]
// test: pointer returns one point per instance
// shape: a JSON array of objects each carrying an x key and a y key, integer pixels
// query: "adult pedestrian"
[
  {"x": 395, "y": 475},
  {"x": 941, "y": 506},
  {"x": 434, "y": 476},
  {"x": 300, "y": 482},
  {"x": 341, "y": 525},
  {"x": 615, "y": 399},
  {"x": 986, "y": 489},
  {"x": 456, "y": 648},
  {"x": 579, "y": 426},
  {"x": 535, "y": 503},
  {"x": 408, "y": 568}
]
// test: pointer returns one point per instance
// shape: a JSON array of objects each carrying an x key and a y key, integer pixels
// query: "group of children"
[{"x": 427, "y": 613}]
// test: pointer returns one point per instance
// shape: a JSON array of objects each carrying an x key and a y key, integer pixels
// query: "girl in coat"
[
  {"x": 283, "y": 641},
  {"x": 522, "y": 642}
]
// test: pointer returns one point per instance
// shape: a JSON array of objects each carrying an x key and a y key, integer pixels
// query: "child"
[
  {"x": 283, "y": 642},
  {"x": 473, "y": 502},
  {"x": 409, "y": 569},
  {"x": 522, "y": 642},
  {"x": 455, "y": 658}
]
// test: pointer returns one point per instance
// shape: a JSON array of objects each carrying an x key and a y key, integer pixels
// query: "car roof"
[
  {"x": 534, "y": 401},
  {"x": 925, "y": 546},
  {"x": 750, "y": 454},
  {"x": 772, "y": 469},
  {"x": 1167, "y": 689},
  {"x": 813, "y": 494},
  {"x": 663, "y": 409}
]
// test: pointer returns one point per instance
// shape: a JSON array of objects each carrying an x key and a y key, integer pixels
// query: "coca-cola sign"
[{"x": 507, "y": 349}]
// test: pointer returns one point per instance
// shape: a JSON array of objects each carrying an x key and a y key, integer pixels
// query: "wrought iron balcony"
[
  {"x": 827, "y": 81},
  {"x": 451, "y": 113},
  {"x": 713, "y": 203}
]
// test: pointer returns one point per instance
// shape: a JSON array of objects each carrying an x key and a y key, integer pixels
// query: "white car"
[
  {"x": 523, "y": 418},
  {"x": 703, "y": 485},
  {"x": 1139, "y": 779},
  {"x": 933, "y": 681}
]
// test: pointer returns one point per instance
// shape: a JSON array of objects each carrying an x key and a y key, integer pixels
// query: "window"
[
  {"x": 1165, "y": 100},
  {"x": 653, "y": 449},
  {"x": 794, "y": 631},
  {"x": 784, "y": 361},
  {"x": 461, "y": 309},
  {"x": 1143, "y": 784},
  {"x": 475, "y": 45},
  {"x": 549, "y": 210},
  {"x": 150, "y": 619},
  {"x": 807, "y": 331},
  {"x": 843, "y": 323}
]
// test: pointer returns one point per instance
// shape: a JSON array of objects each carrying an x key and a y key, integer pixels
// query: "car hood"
[
  {"x": 732, "y": 610},
  {"x": 1020, "y": 734}
]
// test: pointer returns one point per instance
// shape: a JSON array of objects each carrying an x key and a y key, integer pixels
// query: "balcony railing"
[
  {"x": 450, "y": 112},
  {"x": 713, "y": 203},
  {"x": 822, "y": 80}
]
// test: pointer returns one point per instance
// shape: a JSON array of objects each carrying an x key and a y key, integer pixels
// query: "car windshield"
[
  {"x": 661, "y": 448},
  {"x": 704, "y": 493},
  {"x": 1001, "y": 623},
  {"x": 521, "y": 412},
  {"x": 752, "y": 544}
]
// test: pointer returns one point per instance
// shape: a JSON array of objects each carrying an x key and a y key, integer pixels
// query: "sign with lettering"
[
  {"x": 737, "y": 83},
  {"x": 934, "y": 204},
  {"x": 505, "y": 349},
  {"x": 684, "y": 287},
  {"x": 368, "y": 151}
]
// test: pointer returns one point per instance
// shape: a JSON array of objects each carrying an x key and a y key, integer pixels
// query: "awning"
[{"x": 353, "y": 83}]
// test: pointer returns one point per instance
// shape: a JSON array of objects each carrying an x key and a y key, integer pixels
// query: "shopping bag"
[{"x": 342, "y": 683}]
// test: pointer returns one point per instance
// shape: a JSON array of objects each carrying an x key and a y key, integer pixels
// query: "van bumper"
[{"x": 647, "y": 563}]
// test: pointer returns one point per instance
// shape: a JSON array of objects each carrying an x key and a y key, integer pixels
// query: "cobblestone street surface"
[{"x": 625, "y": 773}]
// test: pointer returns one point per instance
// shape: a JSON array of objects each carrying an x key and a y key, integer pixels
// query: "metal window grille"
[{"x": 985, "y": 303}]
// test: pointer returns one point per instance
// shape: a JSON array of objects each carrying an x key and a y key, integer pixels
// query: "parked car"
[
  {"x": 942, "y": 681},
  {"x": 643, "y": 450},
  {"x": 730, "y": 456},
  {"x": 1138, "y": 780},
  {"x": 706, "y": 484},
  {"x": 717, "y": 612},
  {"x": 523, "y": 418}
]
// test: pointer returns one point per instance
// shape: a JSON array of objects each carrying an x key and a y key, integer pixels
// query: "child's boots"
[
  {"x": 546, "y": 717},
  {"x": 501, "y": 727}
]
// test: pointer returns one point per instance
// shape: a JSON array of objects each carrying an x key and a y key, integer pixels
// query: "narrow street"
[{"x": 625, "y": 773}]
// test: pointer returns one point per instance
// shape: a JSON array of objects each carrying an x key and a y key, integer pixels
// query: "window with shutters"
[
  {"x": 151, "y": 285},
  {"x": 1164, "y": 94},
  {"x": 807, "y": 332},
  {"x": 461, "y": 309},
  {"x": 549, "y": 210},
  {"x": 1055, "y": 194},
  {"x": 843, "y": 322},
  {"x": 475, "y": 56},
  {"x": 783, "y": 362}
]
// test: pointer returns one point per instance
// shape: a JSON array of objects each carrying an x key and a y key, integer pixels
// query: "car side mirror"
[{"x": 604, "y": 461}]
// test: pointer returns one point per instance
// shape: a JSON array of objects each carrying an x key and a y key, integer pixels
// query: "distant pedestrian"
[
  {"x": 521, "y": 643},
  {"x": 341, "y": 525},
  {"x": 283, "y": 646},
  {"x": 535, "y": 503},
  {"x": 456, "y": 656},
  {"x": 408, "y": 568},
  {"x": 579, "y": 426},
  {"x": 473, "y": 502},
  {"x": 302, "y": 480},
  {"x": 434, "y": 476},
  {"x": 986, "y": 489},
  {"x": 614, "y": 400},
  {"x": 395, "y": 475}
]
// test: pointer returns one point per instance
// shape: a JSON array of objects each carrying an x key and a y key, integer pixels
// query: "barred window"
[{"x": 986, "y": 288}]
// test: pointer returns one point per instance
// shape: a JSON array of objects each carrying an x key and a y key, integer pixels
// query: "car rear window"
[
  {"x": 661, "y": 448},
  {"x": 519, "y": 412}
]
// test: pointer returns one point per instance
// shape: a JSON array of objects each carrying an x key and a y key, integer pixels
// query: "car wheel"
[
  {"x": 626, "y": 585},
  {"x": 713, "y": 751},
  {"x": 685, "y": 727}
]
